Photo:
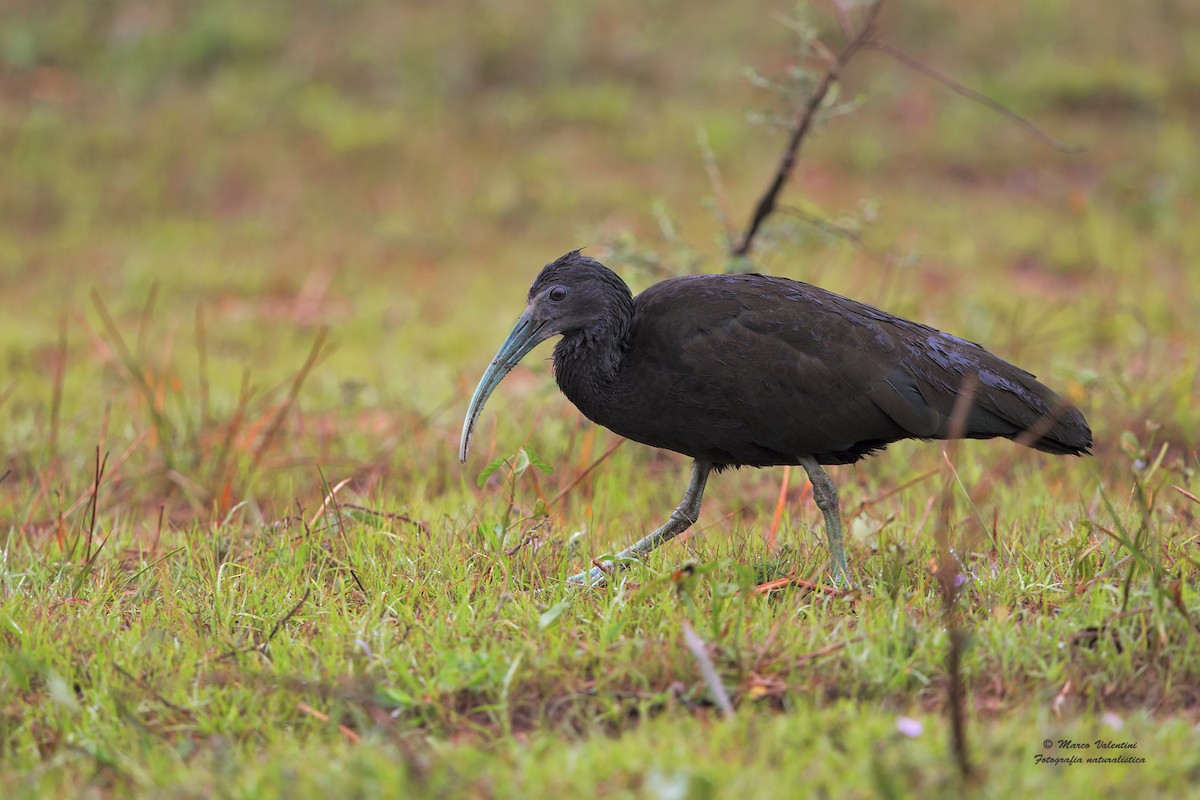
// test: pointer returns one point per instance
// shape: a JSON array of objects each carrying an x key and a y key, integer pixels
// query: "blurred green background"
[{"x": 398, "y": 172}]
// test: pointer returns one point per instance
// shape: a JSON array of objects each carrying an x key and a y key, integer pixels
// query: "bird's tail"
[{"x": 1009, "y": 402}]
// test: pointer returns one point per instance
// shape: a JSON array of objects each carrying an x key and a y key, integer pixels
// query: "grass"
[{"x": 253, "y": 263}]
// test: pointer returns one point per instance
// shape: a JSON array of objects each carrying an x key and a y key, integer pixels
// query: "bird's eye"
[{"x": 558, "y": 293}]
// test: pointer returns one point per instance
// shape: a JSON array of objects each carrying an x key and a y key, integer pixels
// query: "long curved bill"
[{"x": 527, "y": 334}]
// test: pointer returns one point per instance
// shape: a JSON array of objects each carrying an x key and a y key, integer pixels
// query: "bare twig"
[
  {"x": 588, "y": 471},
  {"x": 829, "y": 648},
  {"x": 865, "y": 504},
  {"x": 1179, "y": 489},
  {"x": 262, "y": 646},
  {"x": 100, "y": 465},
  {"x": 843, "y": 19},
  {"x": 152, "y": 691},
  {"x": 853, "y": 237},
  {"x": 223, "y": 469},
  {"x": 350, "y": 735},
  {"x": 781, "y": 583},
  {"x": 86, "y": 497},
  {"x": 162, "y": 512},
  {"x": 530, "y": 536},
  {"x": 330, "y": 493},
  {"x": 956, "y": 699},
  {"x": 805, "y": 116},
  {"x": 421, "y": 525},
  {"x": 341, "y": 524},
  {"x": 952, "y": 580},
  {"x": 803, "y": 122},
  {"x": 971, "y": 94},
  {"x": 708, "y": 670},
  {"x": 780, "y": 506},
  {"x": 1037, "y": 430},
  {"x": 286, "y": 617}
]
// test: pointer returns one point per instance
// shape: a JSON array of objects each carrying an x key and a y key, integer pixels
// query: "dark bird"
[{"x": 756, "y": 371}]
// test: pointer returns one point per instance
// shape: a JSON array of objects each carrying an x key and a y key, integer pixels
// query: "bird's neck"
[{"x": 586, "y": 365}]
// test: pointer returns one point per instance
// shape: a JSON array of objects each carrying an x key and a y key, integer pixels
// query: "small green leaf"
[
  {"x": 61, "y": 692},
  {"x": 552, "y": 614},
  {"x": 396, "y": 697},
  {"x": 522, "y": 462},
  {"x": 489, "y": 469},
  {"x": 538, "y": 462}
]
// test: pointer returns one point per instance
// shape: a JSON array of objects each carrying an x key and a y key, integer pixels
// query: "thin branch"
[
  {"x": 420, "y": 524},
  {"x": 279, "y": 623},
  {"x": 791, "y": 580},
  {"x": 848, "y": 235},
  {"x": 829, "y": 648},
  {"x": 1179, "y": 489},
  {"x": 330, "y": 492},
  {"x": 708, "y": 670},
  {"x": 86, "y": 497},
  {"x": 801, "y": 127},
  {"x": 865, "y": 504},
  {"x": 843, "y": 19},
  {"x": 341, "y": 524},
  {"x": 950, "y": 576},
  {"x": 350, "y": 735},
  {"x": 138, "y": 682},
  {"x": 588, "y": 471},
  {"x": 971, "y": 94},
  {"x": 780, "y": 506},
  {"x": 91, "y": 531}
]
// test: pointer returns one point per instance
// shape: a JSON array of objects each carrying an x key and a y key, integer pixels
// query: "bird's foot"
[
  {"x": 597, "y": 575},
  {"x": 841, "y": 570},
  {"x": 843, "y": 583}
]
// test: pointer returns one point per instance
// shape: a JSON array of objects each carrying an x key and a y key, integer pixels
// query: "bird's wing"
[
  {"x": 777, "y": 368},
  {"x": 832, "y": 382},
  {"x": 901, "y": 379}
]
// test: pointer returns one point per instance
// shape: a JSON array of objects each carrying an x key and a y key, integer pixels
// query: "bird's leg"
[
  {"x": 687, "y": 512},
  {"x": 825, "y": 493}
]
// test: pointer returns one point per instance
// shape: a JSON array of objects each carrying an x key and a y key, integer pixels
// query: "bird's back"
[{"x": 756, "y": 370}]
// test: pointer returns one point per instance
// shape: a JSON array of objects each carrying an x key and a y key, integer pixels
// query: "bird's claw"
[{"x": 596, "y": 576}]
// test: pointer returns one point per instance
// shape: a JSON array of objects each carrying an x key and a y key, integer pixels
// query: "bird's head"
[{"x": 574, "y": 295}]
